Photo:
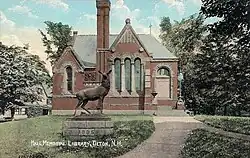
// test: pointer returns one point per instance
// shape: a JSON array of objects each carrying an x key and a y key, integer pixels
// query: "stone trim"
[
  {"x": 128, "y": 96},
  {"x": 147, "y": 72},
  {"x": 91, "y": 84},
  {"x": 133, "y": 93},
  {"x": 147, "y": 78},
  {"x": 132, "y": 57},
  {"x": 164, "y": 77},
  {"x": 64, "y": 96},
  {"x": 164, "y": 59},
  {"x": 123, "y": 89},
  {"x": 70, "y": 112},
  {"x": 147, "y": 84},
  {"x": 66, "y": 50},
  {"x": 169, "y": 67},
  {"x": 147, "y": 104}
]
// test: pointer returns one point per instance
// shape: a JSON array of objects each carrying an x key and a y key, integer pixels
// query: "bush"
[
  {"x": 232, "y": 124},
  {"x": 34, "y": 111},
  {"x": 202, "y": 143}
]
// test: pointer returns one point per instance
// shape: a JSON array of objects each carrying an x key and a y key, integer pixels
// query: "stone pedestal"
[{"x": 87, "y": 126}]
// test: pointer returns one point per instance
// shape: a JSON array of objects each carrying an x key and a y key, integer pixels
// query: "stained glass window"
[
  {"x": 137, "y": 74},
  {"x": 118, "y": 74},
  {"x": 69, "y": 79},
  {"x": 128, "y": 74},
  {"x": 163, "y": 72}
]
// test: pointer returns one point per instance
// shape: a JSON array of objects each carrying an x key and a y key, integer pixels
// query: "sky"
[{"x": 21, "y": 19}]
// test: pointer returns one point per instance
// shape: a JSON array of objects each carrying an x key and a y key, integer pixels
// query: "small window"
[
  {"x": 163, "y": 72},
  {"x": 69, "y": 79}
]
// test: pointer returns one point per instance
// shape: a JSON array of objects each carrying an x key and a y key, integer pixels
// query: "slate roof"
[{"x": 85, "y": 47}]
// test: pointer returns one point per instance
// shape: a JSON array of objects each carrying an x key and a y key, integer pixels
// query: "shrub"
[
  {"x": 34, "y": 111},
  {"x": 202, "y": 143},
  {"x": 228, "y": 123}
]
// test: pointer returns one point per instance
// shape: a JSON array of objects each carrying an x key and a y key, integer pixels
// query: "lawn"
[
  {"x": 202, "y": 143},
  {"x": 16, "y": 136},
  {"x": 227, "y": 123}
]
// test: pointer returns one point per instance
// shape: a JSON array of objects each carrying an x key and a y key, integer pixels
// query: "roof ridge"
[
  {"x": 112, "y": 34},
  {"x": 96, "y": 35},
  {"x": 143, "y": 34}
]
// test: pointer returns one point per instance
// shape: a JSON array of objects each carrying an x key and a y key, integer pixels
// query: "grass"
[
  {"x": 202, "y": 143},
  {"x": 227, "y": 123},
  {"x": 16, "y": 136}
]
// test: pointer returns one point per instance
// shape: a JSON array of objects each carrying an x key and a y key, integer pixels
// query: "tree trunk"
[
  {"x": 3, "y": 110},
  {"x": 12, "y": 112},
  {"x": 239, "y": 110},
  {"x": 225, "y": 110}
]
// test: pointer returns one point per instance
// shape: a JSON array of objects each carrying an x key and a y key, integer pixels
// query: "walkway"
[{"x": 167, "y": 140}]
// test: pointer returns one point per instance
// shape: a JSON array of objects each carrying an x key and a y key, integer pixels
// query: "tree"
[
  {"x": 20, "y": 77},
  {"x": 184, "y": 37},
  {"x": 222, "y": 72},
  {"x": 165, "y": 25},
  {"x": 59, "y": 37}
]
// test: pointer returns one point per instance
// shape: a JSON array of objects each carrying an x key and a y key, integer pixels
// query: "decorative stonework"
[
  {"x": 90, "y": 76},
  {"x": 91, "y": 84},
  {"x": 127, "y": 37}
]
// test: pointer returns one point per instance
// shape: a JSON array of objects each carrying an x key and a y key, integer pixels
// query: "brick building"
[{"x": 140, "y": 65}]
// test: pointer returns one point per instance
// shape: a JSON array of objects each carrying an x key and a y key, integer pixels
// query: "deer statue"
[{"x": 92, "y": 94}]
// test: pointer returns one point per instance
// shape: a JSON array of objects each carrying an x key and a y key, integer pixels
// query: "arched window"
[
  {"x": 163, "y": 72},
  {"x": 127, "y": 64},
  {"x": 137, "y": 74},
  {"x": 118, "y": 74},
  {"x": 69, "y": 79}
]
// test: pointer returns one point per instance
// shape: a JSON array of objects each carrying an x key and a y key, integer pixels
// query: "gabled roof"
[
  {"x": 75, "y": 54},
  {"x": 85, "y": 47},
  {"x": 129, "y": 31},
  {"x": 155, "y": 47}
]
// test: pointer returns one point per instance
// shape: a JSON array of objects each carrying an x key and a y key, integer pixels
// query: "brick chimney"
[
  {"x": 74, "y": 36},
  {"x": 103, "y": 8}
]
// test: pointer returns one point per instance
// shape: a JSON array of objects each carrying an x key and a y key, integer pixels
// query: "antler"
[
  {"x": 100, "y": 72},
  {"x": 109, "y": 72}
]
